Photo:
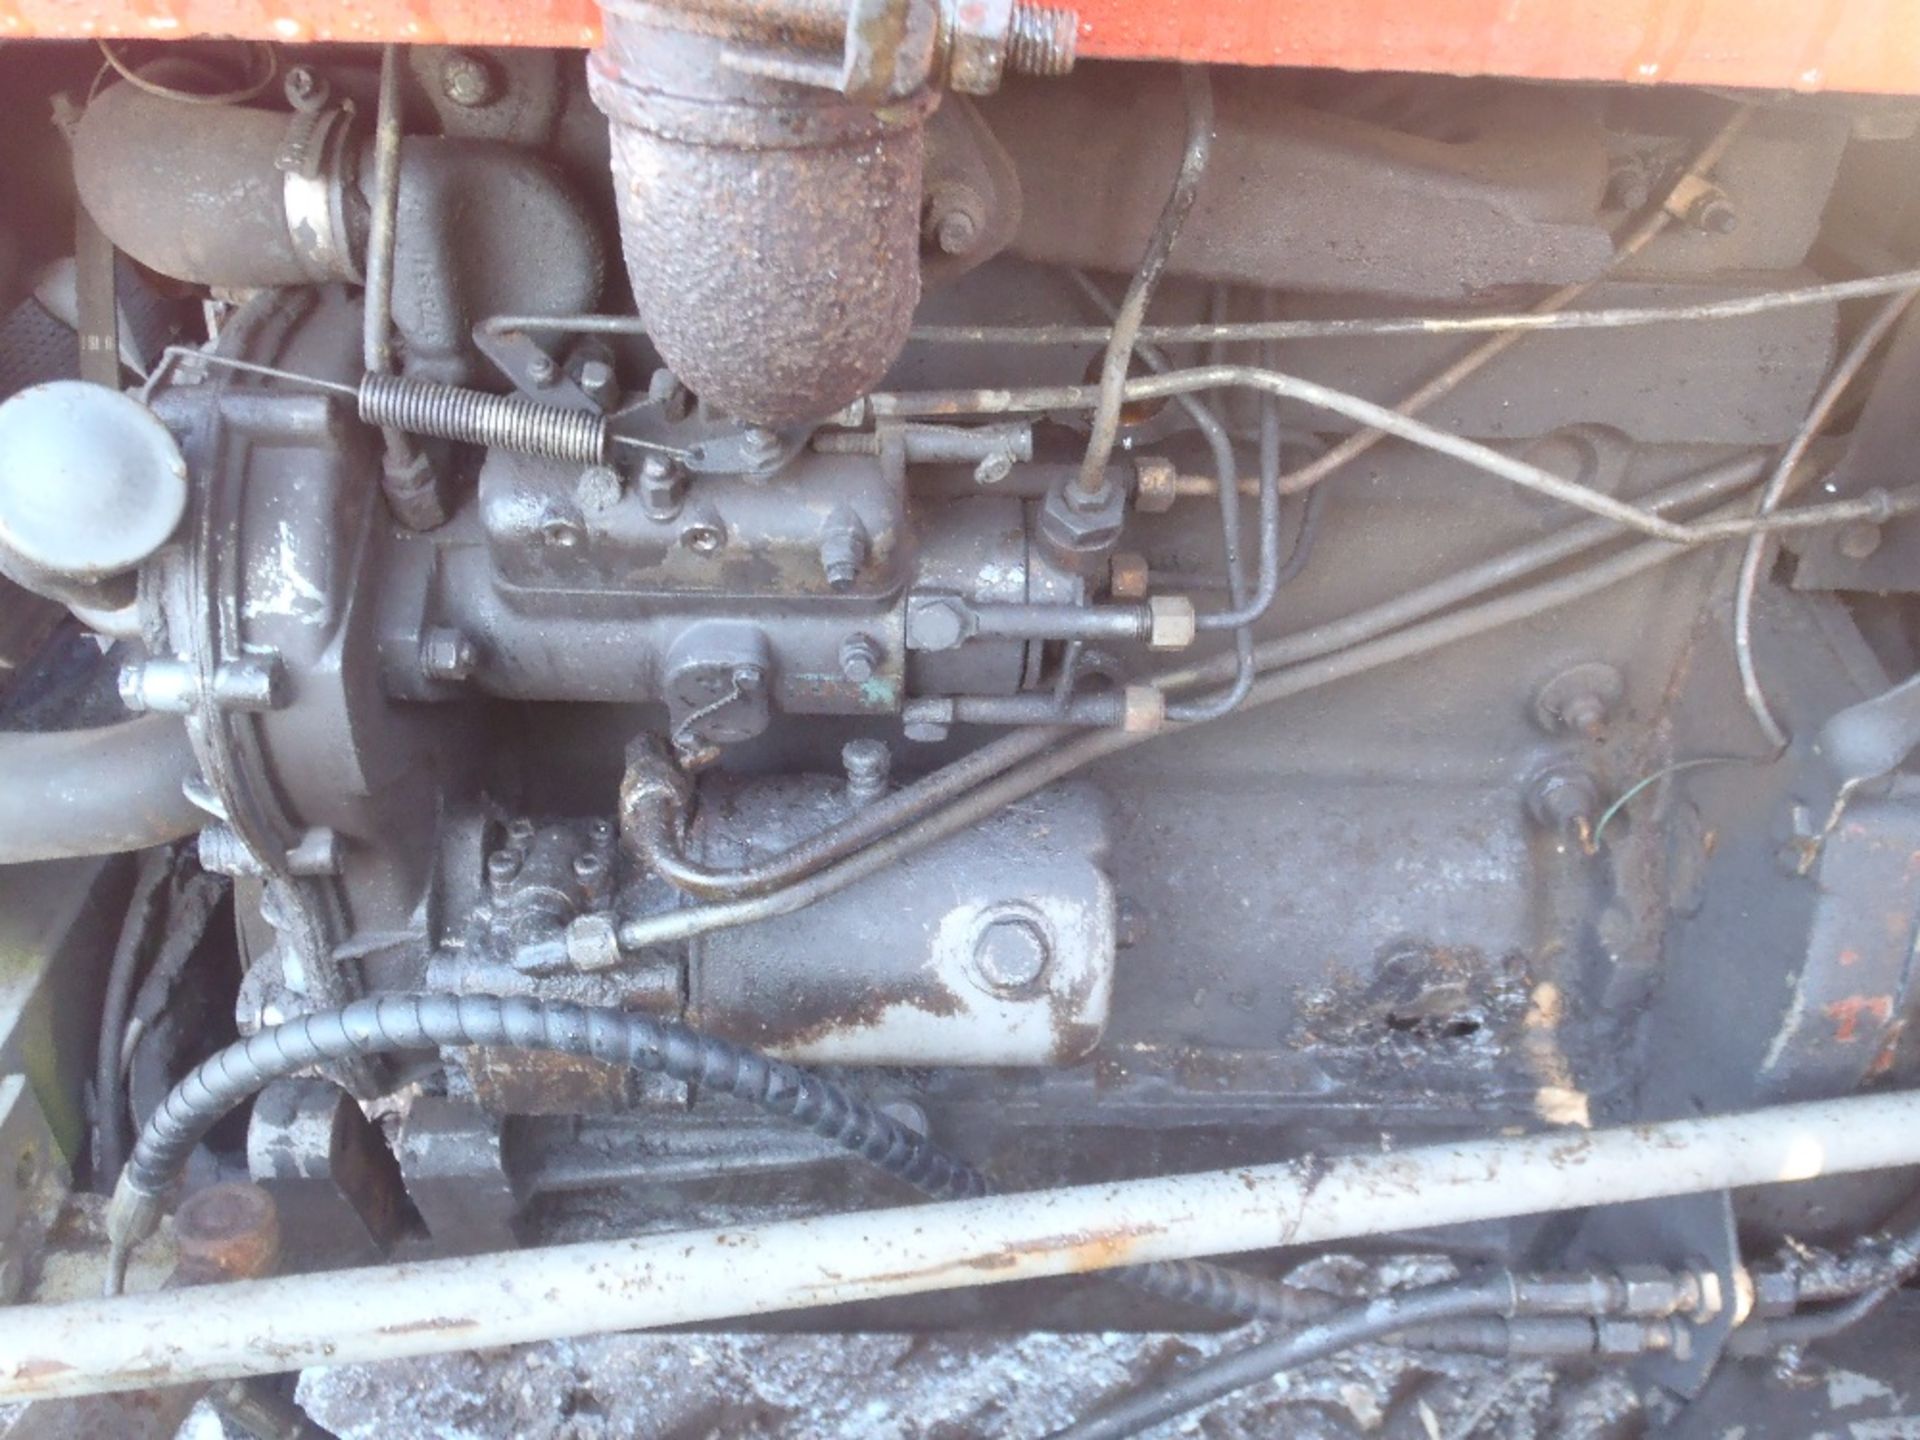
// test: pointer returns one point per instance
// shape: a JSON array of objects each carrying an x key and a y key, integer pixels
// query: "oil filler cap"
[{"x": 91, "y": 483}]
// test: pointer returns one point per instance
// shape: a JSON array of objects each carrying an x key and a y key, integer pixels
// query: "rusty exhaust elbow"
[{"x": 770, "y": 226}]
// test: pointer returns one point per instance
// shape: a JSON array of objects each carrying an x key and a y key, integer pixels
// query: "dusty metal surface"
[{"x": 730, "y": 187}]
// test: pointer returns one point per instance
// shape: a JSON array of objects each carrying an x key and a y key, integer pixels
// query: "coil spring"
[{"x": 449, "y": 412}]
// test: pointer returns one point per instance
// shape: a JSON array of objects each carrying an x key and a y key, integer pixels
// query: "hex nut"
[
  {"x": 977, "y": 46},
  {"x": 1079, "y": 532},
  {"x": 1156, "y": 485},
  {"x": 448, "y": 654},
  {"x": 1143, "y": 709},
  {"x": 1127, "y": 575},
  {"x": 1172, "y": 623},
  {"x": 593, "y": 942}
]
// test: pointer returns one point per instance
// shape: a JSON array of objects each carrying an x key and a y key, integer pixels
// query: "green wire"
[{"x": 1634, "y": 789}]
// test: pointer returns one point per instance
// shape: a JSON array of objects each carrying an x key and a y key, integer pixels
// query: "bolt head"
[
  {"x": 561, "y": 532},
  {"x": 1011, "y": 952},
  {"x": 468, "y": 81},
  {"x": 703, "y": 537},
  {"x": 936, "y": 624},
  {"x": 304, "y": 86},
  {"x": 859, "y": 658},
  {"x": 596, "y": 379},
  {"x": 447, "y": 654},
  {"x": 957, "y": 232},
  {"x": 925, "y": 732},
  {"x": 993, "y": 468},
  {"x": 1564, "y": 796}
]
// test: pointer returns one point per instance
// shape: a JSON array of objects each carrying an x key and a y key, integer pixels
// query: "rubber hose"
[
  {"x": 391, "y": 1023},
  {"x": 65, "y": 793}
]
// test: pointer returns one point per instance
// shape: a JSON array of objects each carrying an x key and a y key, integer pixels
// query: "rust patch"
[{"x": 1847, "y": 1014}]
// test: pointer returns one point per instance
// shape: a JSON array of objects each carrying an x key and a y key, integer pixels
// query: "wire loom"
[{"x": 392, "y": 1023}]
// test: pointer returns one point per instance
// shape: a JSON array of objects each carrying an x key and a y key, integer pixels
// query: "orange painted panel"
[{"x": 1865, "y": 45}]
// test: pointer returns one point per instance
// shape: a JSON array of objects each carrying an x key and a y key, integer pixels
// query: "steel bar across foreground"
[{"x": 350, "y": 1316}]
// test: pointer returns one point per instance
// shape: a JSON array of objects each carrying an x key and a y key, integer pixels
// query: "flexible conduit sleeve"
[
  {"x": 95, "y": 792},
  {"x": 385, "y": 1024}
]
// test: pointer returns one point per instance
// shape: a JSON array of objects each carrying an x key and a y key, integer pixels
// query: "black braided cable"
[{"x": 389, "y": 1023}]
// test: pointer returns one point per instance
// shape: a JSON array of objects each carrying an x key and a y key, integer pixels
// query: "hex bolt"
[
  {"x": 503, "y": 865},
  {"x": 759, "y": 448},
  {"x": 868, "y": 764},
  {"x": 843, "y": 549},
  {"x": 860, "y": 657},
  {"x": 937, "y": 623},
  {"x": 468, "y": 81},
  {"x": 520, "y": 831},
  {"x": 596, "y": 381},
  {"x": 1010, "y": 953},
  {"x": 1042, "y": 39},
  {"x": 662, "y": 487},
  {"x": 447, "y": 653},
  {"x": 589, "y": 868},
  {"x": 1563, "y": 797}
]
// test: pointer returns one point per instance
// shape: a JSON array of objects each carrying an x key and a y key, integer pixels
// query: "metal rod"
[
  {"x": 377, "y": 320},
  {"x": 1198, "y": 88},
  {"x": 1387, "y": 422},
  {"x": 1253, "y": 332},
  {"x": 352, "y": 1316},
  {"x": 1778, "y": 486}
]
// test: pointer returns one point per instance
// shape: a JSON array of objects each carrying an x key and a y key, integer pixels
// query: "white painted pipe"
[{"x": 262, "y": 1326}]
